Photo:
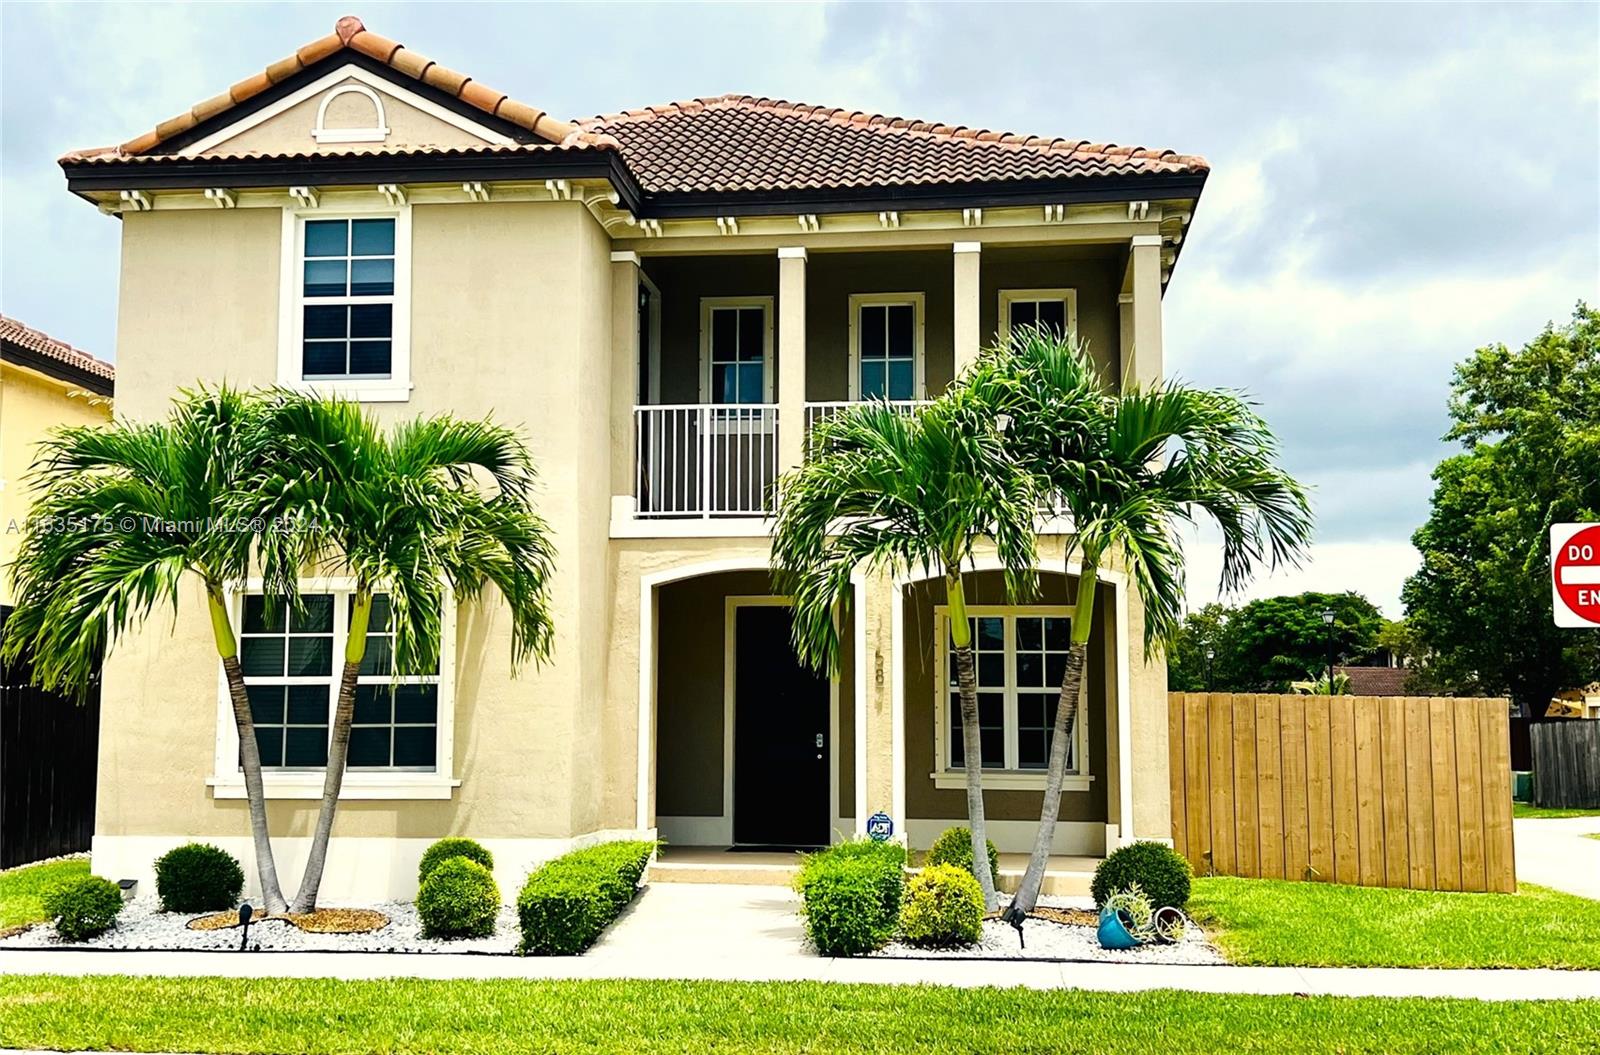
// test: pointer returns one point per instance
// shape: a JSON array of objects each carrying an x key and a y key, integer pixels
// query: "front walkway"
[
  {"x": 1555, "y": 853},
  {"x": 750, "y": 933}
]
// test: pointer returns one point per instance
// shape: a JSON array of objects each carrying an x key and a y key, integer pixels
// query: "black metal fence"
[
  {"x": 1566, "y": 764},
  {"x": 48, "y": 765}
]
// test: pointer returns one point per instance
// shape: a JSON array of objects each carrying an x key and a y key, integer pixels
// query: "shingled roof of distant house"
[
  {"x": 742, "y": 143},
  {"x": 725, "y": 144},
  {"x": 30, "y": 347}
]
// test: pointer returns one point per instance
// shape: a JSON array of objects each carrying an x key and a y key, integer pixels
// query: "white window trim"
[
  {"x": 393, "y": 389},
  {"x": 1007, "y": 296},
  {"x": 769, "y": 366},
  {"x": 918, "y": 303},
  {"x": 944, "y": 775},
  {"x": 227, "y": 782}
]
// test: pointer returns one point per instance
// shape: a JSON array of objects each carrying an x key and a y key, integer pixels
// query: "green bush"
[
  {"x": 444, "y": 849},
  {"x": 566, "y": 904},
  {"x": 944, "y": 908},
  {"x": 83, "y": 907},
  {"x": 1158, "y": 870},
  {"x": 198, "y": 877},
  {"x": 459, "y": 899},
  {"x": 851, "y": 895},
  {"x": 954, "y": 847}
]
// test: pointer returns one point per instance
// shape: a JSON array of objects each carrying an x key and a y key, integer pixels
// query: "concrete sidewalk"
[{"x": 1556, "y": 853}]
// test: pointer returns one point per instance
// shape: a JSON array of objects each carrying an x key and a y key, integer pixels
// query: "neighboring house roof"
[
  {"x": 1376, "y": 681},
  {"x": 28, "y": 347},
  {"x": 349, "y": 33},
  {"x": 742, "y": 143},
  {"x": 752, "y": 149}
]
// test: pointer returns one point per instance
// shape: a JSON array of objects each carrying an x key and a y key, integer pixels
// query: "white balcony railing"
[
  {"x": 705, "y": 460},
  {"x": 815, "y": 412}
]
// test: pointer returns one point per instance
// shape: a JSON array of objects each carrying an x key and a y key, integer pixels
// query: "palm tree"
[
  {"x": 123, "y": 515},
  {"x": 895, "y": 492},
  {"x": 436, "y": 503},
  {"x": 1126, "y": 466}
]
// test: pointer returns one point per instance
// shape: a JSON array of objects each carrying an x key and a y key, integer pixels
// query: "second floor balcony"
[{"x": 736, "y": 357}]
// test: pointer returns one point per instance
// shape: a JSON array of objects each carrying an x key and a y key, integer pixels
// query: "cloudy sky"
[{"x": 1392, "y": 185}]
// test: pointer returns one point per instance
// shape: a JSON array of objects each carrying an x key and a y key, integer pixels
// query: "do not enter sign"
[{"x": 1575, "y": 574}]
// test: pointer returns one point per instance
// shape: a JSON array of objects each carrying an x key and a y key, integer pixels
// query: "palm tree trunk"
[
  {"x": 1065, "y": 728},
  {"x": 338, "y": 750},
  {"x": 971, "y": 737},
  {"x": 249, "y": 753}
]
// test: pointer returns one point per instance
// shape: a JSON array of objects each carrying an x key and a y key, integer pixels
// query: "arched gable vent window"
[{"x": 377, "y": 132}]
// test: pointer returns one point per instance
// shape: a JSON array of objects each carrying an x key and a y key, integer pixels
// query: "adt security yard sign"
[
  {"x": 1575, "y": 574},
  {"x": 880, "y": 827}
]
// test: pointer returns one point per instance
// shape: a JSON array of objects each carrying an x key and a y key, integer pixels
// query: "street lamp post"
[
  {"x": 1211, "y": 654},
  {"x": 1327, "y": 623}
]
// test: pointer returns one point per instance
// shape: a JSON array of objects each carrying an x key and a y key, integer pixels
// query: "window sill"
[
  {"x": 417, "y": 786},
  {"x": 1009, "y": 780},
  {"x": 360, "y": 391}
]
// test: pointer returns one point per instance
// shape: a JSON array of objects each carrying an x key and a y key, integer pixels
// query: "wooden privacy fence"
[
  {"x": 1373, "y": 790},
  {"x": 1566, "y": 763}
]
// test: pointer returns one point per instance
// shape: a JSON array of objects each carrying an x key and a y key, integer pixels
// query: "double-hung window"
[
  {"x": 401, "y": 733},
  {"x": 886, "y": 346},
  {"x": 1055, "y": 310},
  {"x": 1020, "y": 655},
  {"x": 736, "y": 335},
  {"x": 347, "y": 304}
]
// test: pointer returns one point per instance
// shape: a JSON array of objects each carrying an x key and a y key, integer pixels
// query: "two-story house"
[{"x": 664, "y": 300}]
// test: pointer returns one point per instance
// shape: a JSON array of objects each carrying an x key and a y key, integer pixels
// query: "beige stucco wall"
[
  {"x": 31, "y": 404},
  {"x": 519, "y": 292},
  {"x": 290, "y": 131}
]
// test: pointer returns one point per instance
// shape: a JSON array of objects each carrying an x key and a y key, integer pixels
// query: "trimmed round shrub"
[
  {"x": 851, "y": 903},
  {"x": 83, "y": 907},
  {"x": 444, "y": 849},
  {"x": 944, "y": 908},
  {"x": 954, "y": 847},
  {"x": 1158, "y": 871},
  {"x": 198, "y": 877},
  {"x": 459, "y": 899}
]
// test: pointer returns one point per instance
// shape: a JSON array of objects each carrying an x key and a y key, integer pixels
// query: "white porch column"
[
  {"x": 791, "y": 356},
  {"x": 1141, "y": 344},
  {"x": 968, "y": 337},
  {"x": 624, "y": 377}
]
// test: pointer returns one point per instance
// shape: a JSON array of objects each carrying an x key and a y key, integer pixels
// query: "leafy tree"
[
  {"x": 1127, "y": 466},
  {"x": 436, "y": 505},
  {"x": 1529, "y": 424},
  {"x": 898, "y": 492},
  {"x": 1274, "y": 641},
  {"x": 1200, "y": 650},
  {"x": 124, "y": 514}
]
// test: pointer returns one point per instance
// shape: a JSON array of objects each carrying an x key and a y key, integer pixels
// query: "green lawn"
[
  {"x": 22, "y": 889},
  {"x": 1528, "y": 811},
  {"x": 1266, "y": 921},
  {"x": 654, "y": 1018}
]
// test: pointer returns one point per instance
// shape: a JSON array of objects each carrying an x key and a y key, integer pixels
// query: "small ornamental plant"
[
  {"x": 83, "y": 907},
  {"x": 459, "y": 899},
  {"x": 454, "y": 846},
  {"x": 1158, "y": 870},
  {"x": 943, "y": 909},
  {"x": 954, "y": 847},
  {"x": 198, "y": 877}
]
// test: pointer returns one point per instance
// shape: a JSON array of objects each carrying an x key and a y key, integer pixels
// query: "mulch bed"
[
  {"x": 322, "y": 921},
  {"x": 1067, "y": 917}
]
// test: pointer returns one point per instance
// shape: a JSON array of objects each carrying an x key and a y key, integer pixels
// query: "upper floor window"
[
  {"x": 1054, "y": 309},
  {"x": 886, "y": 346},
  {"x": 736, "y": 349},
  {"x": 346, "y": 303}
]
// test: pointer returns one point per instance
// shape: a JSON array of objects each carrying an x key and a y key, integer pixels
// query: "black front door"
[{"x": 780, "y": 736}]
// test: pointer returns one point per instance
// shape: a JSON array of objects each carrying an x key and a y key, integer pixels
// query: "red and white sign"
[{"x": 1575, "y": 574}]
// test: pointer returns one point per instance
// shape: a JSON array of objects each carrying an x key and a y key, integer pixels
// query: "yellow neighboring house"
[
  {"x": 664, "y": 300},
  {"x": 43, "y": 383}
]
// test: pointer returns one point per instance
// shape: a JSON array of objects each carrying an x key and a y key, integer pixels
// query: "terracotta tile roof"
[
  {"x": 1376, "y": 681},
  {"x": 110, "y": 156},
  {"x": 349, "y": 33},
  {"x": 744, "y": 143},
  {"x": 15, "y": 333}
]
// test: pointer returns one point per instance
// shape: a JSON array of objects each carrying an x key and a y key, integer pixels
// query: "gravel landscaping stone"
[
  {"x": 1055, "y": 941},
  {"x": 142, "y": 925}
]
